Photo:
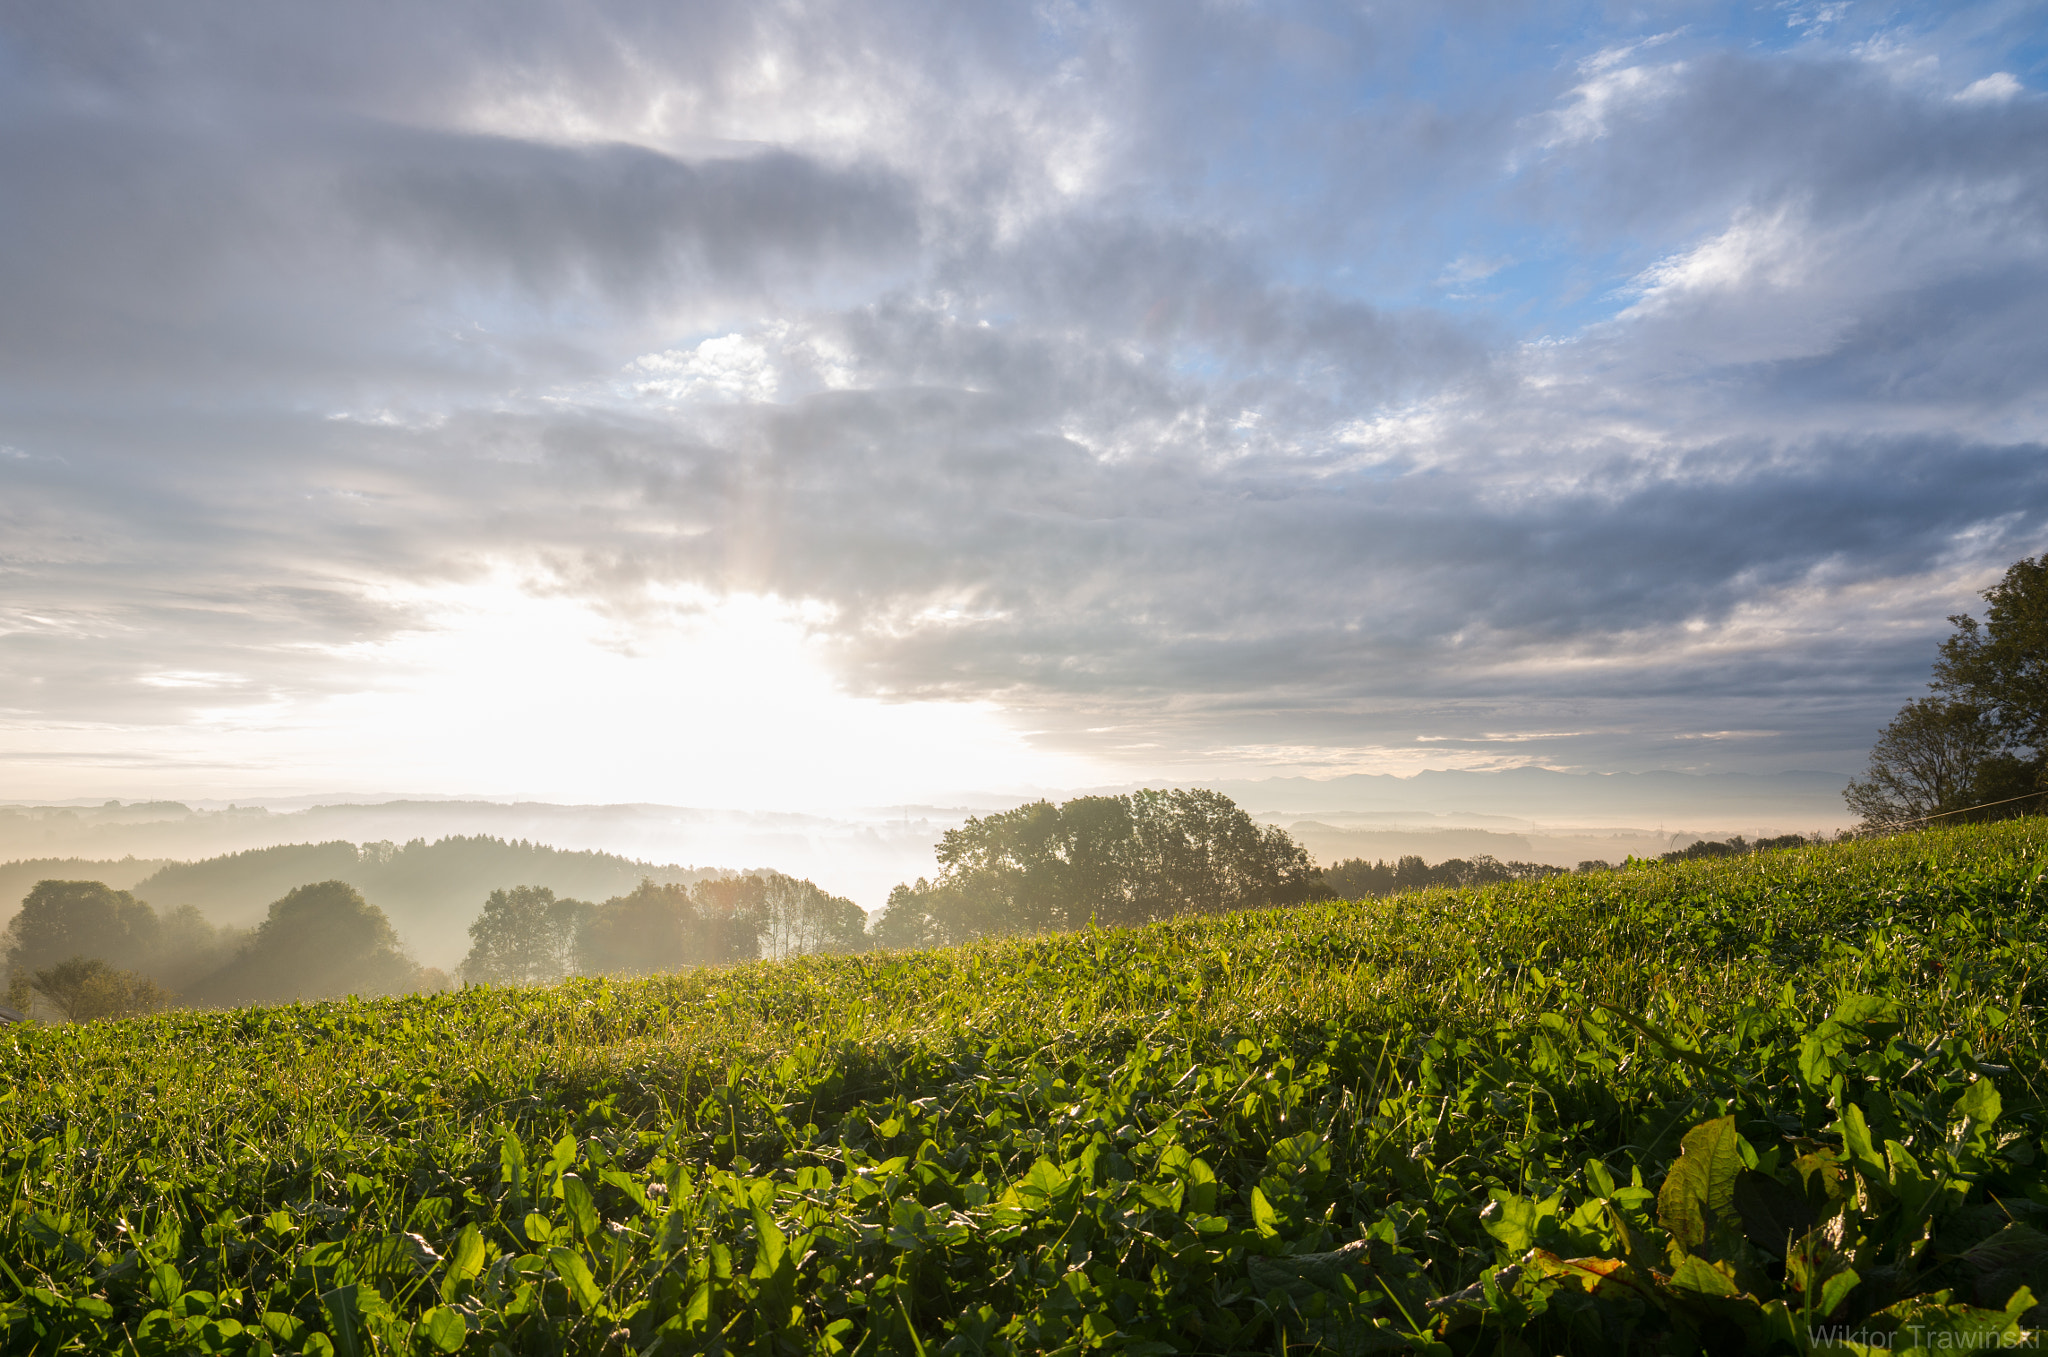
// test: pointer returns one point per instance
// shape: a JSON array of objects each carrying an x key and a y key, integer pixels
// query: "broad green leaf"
[
  {"x": 1836, "y": 1289},
  {"x": 1513, "y": 1220},
  {"x": 1862, "y": 1149},
  {"x": 1202, "y": 1186},
  {"x": 633, "y": 1189},
  {"x": 1865, "y": 1010},
  {"x": 1044, "y": 1181},
  {"x": 774, "y": 1244},
  {"x": 1913, "y": 1188},
  {"x": 1264, "y": 1216},
  {"x": 464, "y": 1261},
  {"x": 398, "y": 1255},
  {"x": 1701, "y": 1185},
  {"x": 287, "y": 1329},
  {"x": 582, "y": 1208},
  {"x": 444, "y": 1328},
  {"x": 575, "y": 1274},
  {"x": 165, "y": 1285},
  {"x": 512, "y": 1161},
  {"x": 2016, "y": 1258},
  {"x": 1599, "y": 1179},
  {"x": 343, "y": 1315},
  {"x": 1980, "y": 1102},
  {"x": 1821, "y": 1174},
  {"x": 1709, "y": 1279},
  {"x": 1929, "y": 1326},
  {"x": 1817, "y": 1063},
  {"x": 697, "y": 1314}
]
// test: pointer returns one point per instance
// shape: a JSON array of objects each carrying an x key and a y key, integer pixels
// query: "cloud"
[
  {"x": 1089, "y": 363},
  {"x": 1995, "y": 88}
]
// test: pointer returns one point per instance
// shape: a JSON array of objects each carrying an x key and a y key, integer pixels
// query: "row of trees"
[
  {"x": 1355, "y": 878},
  {"x": 1110, "y": 860},
  {"x": 526, "y": 935},
  {"x": 89, "y": 951},
  {"x": 1733, "y": 846},
  {"x": 1977, "y": 746},
  {"x": 94, "y": 952}
]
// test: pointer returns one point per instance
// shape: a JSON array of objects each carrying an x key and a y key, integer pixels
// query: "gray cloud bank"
[{"x": 1083, "y": 360}]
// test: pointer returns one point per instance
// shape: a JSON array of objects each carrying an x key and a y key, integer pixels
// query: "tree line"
[
  {"x": 1977, "y": 746},
  {"x": 1106, "y": 860},
  {"x": 527, "y": 935},
  {"x": 89, "y": 951}
]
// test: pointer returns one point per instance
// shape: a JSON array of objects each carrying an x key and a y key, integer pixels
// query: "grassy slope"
[{"x": 999, "y": 1144}]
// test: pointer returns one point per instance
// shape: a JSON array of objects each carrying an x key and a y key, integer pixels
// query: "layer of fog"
[{"x": 1530, "y": 815}]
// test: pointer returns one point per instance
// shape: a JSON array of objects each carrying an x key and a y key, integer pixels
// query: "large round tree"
[
  {"x": 1978, "y": 747},
  {"x": 64, "y": 919},
  {"x": 1114, "y": 860},
  {"x": 318, "y": 942}
]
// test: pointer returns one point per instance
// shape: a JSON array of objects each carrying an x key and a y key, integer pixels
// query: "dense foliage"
[
  {"x": 71, "y": 940},
  {"x": 527, "y": 934},
  {"x": 95, "y": 952},
  {"x": 434, "y": 888},
  {"x": 1106, "y": 860},
  {"x": 1356, "y": 878},
  {"x": 1758, "y": 1103},
  {"x": 1979, "y": 743},
  {"x": 319, "y": 940}
]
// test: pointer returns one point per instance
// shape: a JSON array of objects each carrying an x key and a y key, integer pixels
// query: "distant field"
[{"x": 1757, "y": 1104}]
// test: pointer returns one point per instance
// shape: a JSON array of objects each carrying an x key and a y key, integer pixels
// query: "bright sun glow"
[{"x": 502, "y": 692}]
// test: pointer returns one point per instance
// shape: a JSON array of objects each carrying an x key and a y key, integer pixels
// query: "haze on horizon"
[{"x": 826, "y": 405}]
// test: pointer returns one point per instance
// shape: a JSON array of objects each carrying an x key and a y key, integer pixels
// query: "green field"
[{"x": 1750, "y": 1104}]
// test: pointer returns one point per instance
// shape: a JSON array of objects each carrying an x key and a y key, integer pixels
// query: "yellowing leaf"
[
  {"x": 1701, "y": 1185},
  {"x": 1709, "y": 1279}
]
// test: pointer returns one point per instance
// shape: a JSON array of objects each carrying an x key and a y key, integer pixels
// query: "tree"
[
  {"x": 85, "y": 989},
  {"x": 1114, "y": 860},
  {"x": 2001, "y": 665},
  {"x": 525, "y": 936},
  {"x": 1196, "y": 852},
  {"x": 916, "y": 917},
  {"x": 650, "y": 929},
  {"x": 1929, "y": 761},
  {"x": 1356, "y": 878},
  {"x": 798, "y": 917},
  {"x": 717, "y": 921},
  {"x": 190, "y": 947},
  {"x": 319, "y": 941},
  {"x": 60, "y": 919},
  {"x": 732, "y": 917},
  {"x": 1979, "y": 745}
]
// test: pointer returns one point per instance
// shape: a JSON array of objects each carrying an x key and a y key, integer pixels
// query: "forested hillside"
[{"x": 430, "y": 890}]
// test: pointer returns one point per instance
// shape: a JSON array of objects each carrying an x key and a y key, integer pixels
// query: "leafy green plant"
[{"x": 1784, "y": 1101}]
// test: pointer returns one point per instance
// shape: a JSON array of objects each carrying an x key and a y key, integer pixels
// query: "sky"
[{"x": 807, "y": 403}]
